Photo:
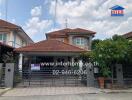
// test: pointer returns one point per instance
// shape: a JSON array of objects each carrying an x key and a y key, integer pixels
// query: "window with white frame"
[
  {"x": 3, "y": 37},
  {"x": 80, "y": 41}
]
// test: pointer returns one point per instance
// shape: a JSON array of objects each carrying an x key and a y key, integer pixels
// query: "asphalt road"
[{"x": 100, "y": 96}]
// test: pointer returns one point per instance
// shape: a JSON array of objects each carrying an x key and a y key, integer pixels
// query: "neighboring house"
[
  {"x": 13, "y": 35},
  {"x": 128, "y": 35},
  {"x": 4, "y": 49}
]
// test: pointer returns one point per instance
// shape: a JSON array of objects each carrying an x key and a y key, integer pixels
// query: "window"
[
  {"x": 0, "y": 36},
  {"x": 80, "y": 41},
  {"x": 3, "y": 37}
]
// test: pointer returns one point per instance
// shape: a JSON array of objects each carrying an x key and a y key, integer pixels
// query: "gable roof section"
[
  {"x": 128, "y": 35},
  {"x": 50, "y": 46},
  {"x": 65, "y": 32},
  {"x": 117, "y": 7},
  {"x": 5, "y": 24}
]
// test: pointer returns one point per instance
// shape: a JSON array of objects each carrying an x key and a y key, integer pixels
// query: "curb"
[
  {"x": 5, "y": 90},
  {"x": 116, "y": 91}
]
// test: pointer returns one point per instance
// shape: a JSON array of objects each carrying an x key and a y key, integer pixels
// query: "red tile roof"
[
  {"x": 5, "y": 24},
  {"x": 66, "y": 31},
  {"x": 128, "y": 35},
  {"x": 50, "y": 46}
]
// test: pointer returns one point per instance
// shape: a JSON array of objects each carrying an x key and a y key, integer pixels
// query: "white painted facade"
[{"x": 14, "y": 39}]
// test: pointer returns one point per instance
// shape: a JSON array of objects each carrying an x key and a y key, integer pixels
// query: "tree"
[
  {"x": 94, "y": 42},
  {"x": 111, "y": 51}
]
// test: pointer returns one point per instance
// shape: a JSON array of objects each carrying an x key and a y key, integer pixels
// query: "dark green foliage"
[
  {"x": 109, "y": 52},
  {"x": 94, "y": 42}
]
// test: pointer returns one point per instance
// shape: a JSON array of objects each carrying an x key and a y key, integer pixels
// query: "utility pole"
[
  {"x": 66, "y": 23},
  {"x": 6, "y": 10},
  {"x": 56, "y": 1}
]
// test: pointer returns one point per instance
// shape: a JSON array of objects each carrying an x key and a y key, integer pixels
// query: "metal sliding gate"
[{"x": 49, "y": 78}]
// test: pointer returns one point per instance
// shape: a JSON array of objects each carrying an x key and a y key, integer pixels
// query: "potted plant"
[
  {"x": 108, "y": 83},
  {"x": 104, "y": 74}
]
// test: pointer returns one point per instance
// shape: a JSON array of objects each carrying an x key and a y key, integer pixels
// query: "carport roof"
[{"x": 50, "y": 46}]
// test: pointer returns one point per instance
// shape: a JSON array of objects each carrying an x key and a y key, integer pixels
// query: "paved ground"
[
  {"x": 64, "y": 93},
  {"x": 100, "y": 96},
  {"x": 50, "y": 91},
  {"x": 31, "y": 91},
  {"x": 3, "y": 90}
]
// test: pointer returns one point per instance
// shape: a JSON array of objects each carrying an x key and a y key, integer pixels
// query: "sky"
[{"x": 37, "y": 17}]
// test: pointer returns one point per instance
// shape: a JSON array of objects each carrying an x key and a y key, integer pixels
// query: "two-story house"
[
  {"x": 62, "y": 45},
  {"x": 46, "y": 60},
  {"x": 13, "y": 35}
]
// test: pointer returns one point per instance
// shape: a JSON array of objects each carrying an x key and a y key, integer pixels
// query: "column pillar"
[
  {"x": 119, "y": 74},
  {"x": 90, "y": 75},
  {"x": 72, "y": 59},
  {"x": 20, "y": 61},
  {"x": 9, "y": 75},
  {"x": 80, "y": 64}
]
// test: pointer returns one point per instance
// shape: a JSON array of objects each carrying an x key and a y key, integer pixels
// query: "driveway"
[
  {"x": 100, "y": 96},
  {"x": 41, "y": 91}
]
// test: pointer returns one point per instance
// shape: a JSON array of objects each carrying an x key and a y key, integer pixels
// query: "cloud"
[
  {"x": 94, "y": 15},
  {"x": 35, "y": 26},
  {"x": 124, "y": 27},
  {"x": 13, "y": 21},
  {"x": 36, "y": 11}
]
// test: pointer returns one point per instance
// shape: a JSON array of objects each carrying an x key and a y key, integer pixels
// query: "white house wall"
[{"x": 13, "y": 39}]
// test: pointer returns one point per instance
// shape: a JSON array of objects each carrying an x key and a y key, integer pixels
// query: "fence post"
[
  {"x": 119, "y": 74},
  {"x": 90, "y": 75},
  {"x": 9, "y": 75}
]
